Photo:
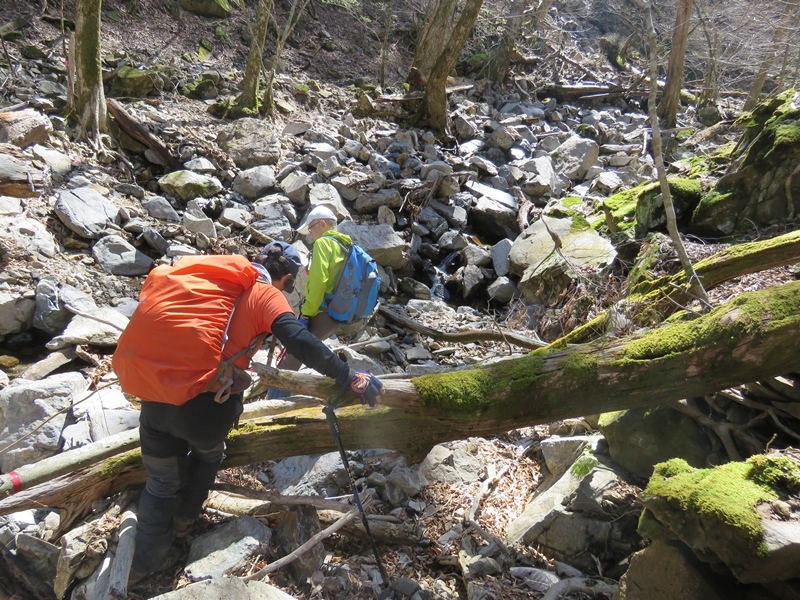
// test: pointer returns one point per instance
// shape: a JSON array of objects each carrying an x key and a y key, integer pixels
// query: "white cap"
[{"x": 315, "y": 214}]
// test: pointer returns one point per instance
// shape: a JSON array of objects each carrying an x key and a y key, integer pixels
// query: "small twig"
[
  {"x": 303, "y": 548},
  {"x": 486, "y": 487},
  {"x": 489, "y": 537}
]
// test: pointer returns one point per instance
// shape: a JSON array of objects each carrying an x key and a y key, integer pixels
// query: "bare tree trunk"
[
  {"x": 433, "y": 109},
  {"x": 710, "y": 92},
  {"x": 248, "y": 99},
  {"x": 670, "y": 100},
  {"x": 298, "y": 6},
  {"x": 434, "y": 39},
  {"x": 669, "y": 208},
  {"x": 763, "y": 72},
  {"x": 751, "y": 338},
  {"x": 500, "y": 62},
  {"x": 387, "y": 27},
  {"x": 90, "y": 102}
]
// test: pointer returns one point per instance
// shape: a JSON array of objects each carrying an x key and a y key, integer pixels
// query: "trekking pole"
[{"x": 333, "y": 421}]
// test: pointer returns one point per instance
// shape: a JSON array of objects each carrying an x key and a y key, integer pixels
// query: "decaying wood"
[
  {"x": 469, "y": 335},
  {"x": 140, "y": 133},
  {"x": 748, "y": 339},
  {"x": 238, "y": 500},
  {"x": 412, "y": 96}
]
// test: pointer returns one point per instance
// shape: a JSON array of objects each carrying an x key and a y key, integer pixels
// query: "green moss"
[
  {"x": 581, "y": 368},
  {"x": 776, "y": 472},
  {"x": 473, "y": 390},
  {"x": 116, "y": 464},
  {"x": 727, "y": 493},
  {"x": 684, "y": 134},
  {"x": 579, "y": 223},
  {"x": 572, "y": 201},
  {"x": 584, "y": 465}
]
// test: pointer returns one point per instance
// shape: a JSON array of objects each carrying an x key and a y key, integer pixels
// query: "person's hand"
[
  {"x": 367, "y": 386},
  {"x": 303, "y": 321}
]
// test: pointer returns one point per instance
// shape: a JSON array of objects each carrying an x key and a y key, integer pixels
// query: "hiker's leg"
[
  {"x": 202, "y": 467},
  {"x": 157, "y": 505},
  {"x": 205, "y": 425},
  {"x": 163, "y": 456}
]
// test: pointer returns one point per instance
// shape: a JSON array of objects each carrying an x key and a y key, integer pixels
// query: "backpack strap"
[
  {"x": 225, "y": 376},
  {"x": 347, "y": 251}
]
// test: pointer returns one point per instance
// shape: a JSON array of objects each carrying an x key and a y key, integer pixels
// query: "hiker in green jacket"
[{"x": 327, "y": 258}]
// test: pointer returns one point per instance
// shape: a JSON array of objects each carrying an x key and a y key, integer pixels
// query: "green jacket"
[{"x": 327, "y": 258}]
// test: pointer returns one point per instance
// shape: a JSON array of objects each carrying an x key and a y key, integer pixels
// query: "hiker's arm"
[
  {"x": 302, "y": 344},
  {"x": 318, "y": 276}
]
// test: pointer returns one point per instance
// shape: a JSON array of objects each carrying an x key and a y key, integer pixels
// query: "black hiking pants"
[{"x": 182, "y": 448}]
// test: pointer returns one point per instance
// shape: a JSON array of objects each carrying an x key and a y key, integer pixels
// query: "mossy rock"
[
  {"x": 218, "y": 9},
  {"x": 130, "y": 82},
  {"x": 638, "y": 439},
  {"x": 641, "y": 208},
  {"x": 756, "y": 193},
  {"x": 723, "y": 514}
]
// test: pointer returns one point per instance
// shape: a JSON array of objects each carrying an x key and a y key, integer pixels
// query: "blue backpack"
[{"x": 355, "y": 293}]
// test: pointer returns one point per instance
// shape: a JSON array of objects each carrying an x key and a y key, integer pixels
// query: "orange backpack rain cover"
[{"x": 172, "y": 346}]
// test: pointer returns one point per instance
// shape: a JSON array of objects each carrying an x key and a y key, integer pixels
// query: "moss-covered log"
[
  {"x": 752, "y": 337},
  {"x": 663, "y": 296}
]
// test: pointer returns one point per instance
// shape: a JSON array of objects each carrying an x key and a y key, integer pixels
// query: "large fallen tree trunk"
[{"x": 752, "y": 337}]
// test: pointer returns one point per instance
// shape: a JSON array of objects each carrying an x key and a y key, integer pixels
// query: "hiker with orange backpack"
[{"x": 191, "y": 398}]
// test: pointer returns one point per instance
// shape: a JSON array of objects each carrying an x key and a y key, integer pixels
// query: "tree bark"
[
  {"x": 670, "y": 100},
  {"x": 750, "y": 338},
  {"x": 248, "y": 99},
  {"x": 500, "y": 62},
  {"x": 433, "y": 109},
  {"x": 140, "y": 133},
  {"x": 658, "y": 157},
  {"x": 90, "y": 102},
  {"x": 434, "y": 38}
]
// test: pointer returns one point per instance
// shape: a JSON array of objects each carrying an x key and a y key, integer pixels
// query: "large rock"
[
  {"x": 27, "y": 235},
  {"x": 640, "y": 438},
  {"x": 730, "y": 515},
  {"x": 227, "y": 548},
  {"x": 764, "y": 189},
  {"x": 227, "y": 587},
  {"x": 544, "y": 273},
  {"x": 32, "y": 414},
  {"x": 575, "y": 156},
  {"x": 24, "y": 127},
  {"x": 188, "y": 185},
  {"x": 16, "y": 313},
  {"x": 666, "y": 571},
  {"x": 130, "y": 82},
  {"x": 581, "y": 518},
  {"x": 218, "y": 9},
  {"x": 380, "y": 241},
  {"x": 254, "y": 182},
  {"x": 116, "y": 256},
  {"x": 101, "y": 327},
  {"x": 250, "y": 142},
  {"x": 86, "y": 212}
]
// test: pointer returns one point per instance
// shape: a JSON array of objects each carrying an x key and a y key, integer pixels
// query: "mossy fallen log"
[
  {"x": 663, "y": 296},
  {"x": 749, "y": 338}
]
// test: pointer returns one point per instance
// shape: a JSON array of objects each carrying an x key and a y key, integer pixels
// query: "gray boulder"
[
  {"x": 255, "y": 181},
  {"x": 118, "y": 257},
  {"x": 227, "y": 548},
  {"x": 250, "y": 142},
  {"x": 380, "y": 241},
  {"x": 187, "y": 185},
  {"x": 32, "y": 415},
  {"x": 16, "y": 313},
  {"x": 86, "y": 212}
]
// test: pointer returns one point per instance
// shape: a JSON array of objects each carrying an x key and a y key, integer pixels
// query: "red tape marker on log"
[{"x": 15, "y": 481}]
